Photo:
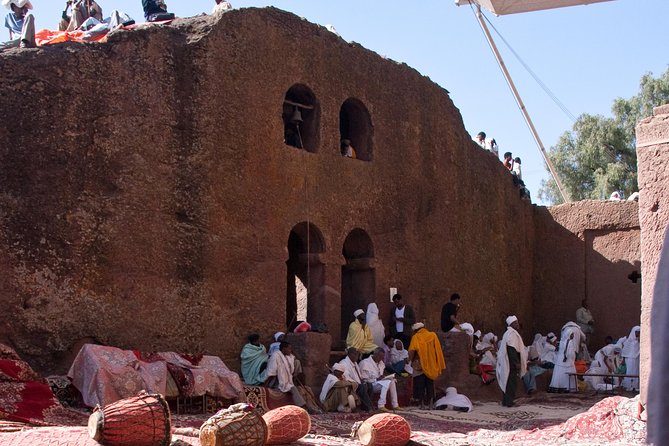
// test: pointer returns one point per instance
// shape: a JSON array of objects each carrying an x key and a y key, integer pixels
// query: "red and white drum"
[
  {"x": 143, "y": 420},
  {"x": 287, "y": 424},
  {"x": 384, "y": 429}
]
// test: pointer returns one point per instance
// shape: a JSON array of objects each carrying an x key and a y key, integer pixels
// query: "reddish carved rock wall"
[
  {"x": 148, "y": 196},
  {"x": 652, "y": 137},
  {"x": 587, "y": 250}
]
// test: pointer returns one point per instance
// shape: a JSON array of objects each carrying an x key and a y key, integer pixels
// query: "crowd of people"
[
  {"x": 375, "y": 360},
  {"x": 81, "y": 15},
  {"x": 512, "y": 164}
]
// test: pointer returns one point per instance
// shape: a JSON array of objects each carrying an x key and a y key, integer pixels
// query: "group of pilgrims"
[{"x": 374, "y": 361}]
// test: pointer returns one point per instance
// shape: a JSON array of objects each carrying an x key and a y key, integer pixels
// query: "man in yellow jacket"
[
  {"x": 359, "y": 335},
  {"x": 426, "y": 348}
]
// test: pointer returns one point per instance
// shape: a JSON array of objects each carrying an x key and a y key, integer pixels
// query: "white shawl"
[
  {"x": 375, "y": 324},
  {"x": 631, "y": 345},
  {"x": 511, "y": 338},
  {"x": 282, "y": 367}
]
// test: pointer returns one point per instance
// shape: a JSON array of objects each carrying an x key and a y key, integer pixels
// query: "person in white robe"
[
  {"x": 337, "y": 392},
  {"x": 630, "y": 353},
  {"x": 488, "y": 362},
  {"x": 454, "y": 400},
  {"x": 571, "y": 338},
  {"x": 511, "y": 361},
  {"x": 605, "y": 362},
  {"x": 280, "y": 371},
  {"x": 375, "y": 324},
  {"x": 371, "y": 371},
  {"x": 352, "y": 373}
]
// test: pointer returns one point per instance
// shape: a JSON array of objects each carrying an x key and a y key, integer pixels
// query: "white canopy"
[{"x": 501, "y": 7}]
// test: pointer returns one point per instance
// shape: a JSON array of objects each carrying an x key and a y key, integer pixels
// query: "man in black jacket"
[{"x": 402, "y": 317}]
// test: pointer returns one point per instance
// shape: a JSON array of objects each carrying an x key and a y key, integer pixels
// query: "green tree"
[{"x": 598, "y": 156}]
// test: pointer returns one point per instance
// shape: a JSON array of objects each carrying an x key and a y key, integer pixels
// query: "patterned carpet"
[{"x": 547, "y": 419}]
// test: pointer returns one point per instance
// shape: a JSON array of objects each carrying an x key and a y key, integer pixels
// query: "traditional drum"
[
  {"x": 238, "y": 425},
  {"x": 286, "y": 424},
  {"x": 143, "y": 420},
  {"x": 384, "y": 429}
]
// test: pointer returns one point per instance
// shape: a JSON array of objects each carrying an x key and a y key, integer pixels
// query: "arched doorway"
[
  {"x": 358, "y": 281},
  {"x": 305, "y": 275}
]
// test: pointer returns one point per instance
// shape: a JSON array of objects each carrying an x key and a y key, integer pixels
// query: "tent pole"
[{"x": 523, "y": 110}]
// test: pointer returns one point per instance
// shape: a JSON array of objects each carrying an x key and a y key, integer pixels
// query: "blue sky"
[{"x": 587, "y": 55}]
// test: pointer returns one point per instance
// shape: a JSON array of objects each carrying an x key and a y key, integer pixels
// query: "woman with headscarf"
[
  {"x": 375, "y": 324},
  {"x": 571, "y": 337},
  {"x": 605, "y": 362},
  {"x": 630, "y": 353},
  {"x": 274, "y": 346},
  {"x": 488, "y": 362}
]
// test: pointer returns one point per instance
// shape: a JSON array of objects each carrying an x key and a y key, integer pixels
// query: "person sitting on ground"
[
  {"x": 371, "y": 371},
  {"x": 547, "y": 357},
  {"x": 347, "y": 149},
  {"x": 20, "y": 23},
  {"x": 338, "y": 393},
  {"x": 488, "y": 350},
  {"x": 254, "y": 361},
  {"x": 535, "y": 364},
  {"x": 399, "y": 359},
  {"x": 511, "y": 361},
  {"x": 352, "y": 373},
  {"x": 402, "y": 317},
  {"x": 274, "y": 346},
  {"x": 630, "y": 353},
  {"x": 280, "y": 372},
  {"x": 156, "y": 11},
  {"x": 427, "y": 359},
  {"x": 359, "y": 335},
  {"x": 453, "y": 400},
  {"x": 480, "y": 139},
  {"x": 508, "y": 160},
  {"x": 221, "y": 6},
  {"x": 77, "y": 11},
  {"x": 375, "y": 324},
  {"x": 449, "y": 313}
]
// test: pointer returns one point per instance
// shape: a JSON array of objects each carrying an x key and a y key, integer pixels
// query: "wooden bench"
[{"x": 605, "y": 375}]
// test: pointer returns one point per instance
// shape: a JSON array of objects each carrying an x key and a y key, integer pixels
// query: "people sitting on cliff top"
[
  {"x": 76, "y": 12},
  {"x": 515, "y": 168},
  {"x": 488, "y": 144},
  {"x": 372, "y": 371},
  {"x": 359, "y": 335},
  {"x": 338, "y": 393},
  {"x": 20, "y": 23},
  {"x": 347, "y": 149},
  {"x": 221, "y": 6},
  {"x": 156, "y": 11},
  {"x": 254, "y": 361},
  {"x": 508, "y": 160},
  {"x": 281, "y": 368}
]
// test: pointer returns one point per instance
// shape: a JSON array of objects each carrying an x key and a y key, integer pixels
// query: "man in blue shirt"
[{"x": 20, "y": 23}]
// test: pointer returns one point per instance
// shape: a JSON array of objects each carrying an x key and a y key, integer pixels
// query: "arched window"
[
  {"x": 301, "y": 118},
  {"x": 355, "y": 126}
]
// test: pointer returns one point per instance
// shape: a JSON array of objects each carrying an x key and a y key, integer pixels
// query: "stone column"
[{"x": 652, "y": 137}]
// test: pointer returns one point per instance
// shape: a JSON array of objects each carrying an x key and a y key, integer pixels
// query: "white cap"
[
  {"x": 277, "y": 335},
  {"x": 511, "y": 319},
  {"x": 338, "y": 368},
  {"x": 477, "y": 333},
  {"x": 358, "y": 312},
  {"x": 417, "y": 325},
  {"x": 451, "y": 390},
  {"x": 19, "y": 3}
]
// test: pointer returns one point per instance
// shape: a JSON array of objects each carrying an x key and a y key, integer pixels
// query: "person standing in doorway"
[
  {"x": 585, "y": 320},
  {"x": 402, "y": 317}
]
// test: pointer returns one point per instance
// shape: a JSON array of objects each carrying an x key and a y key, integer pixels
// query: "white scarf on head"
[{"x": 631, "y": 345}]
